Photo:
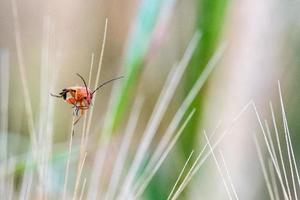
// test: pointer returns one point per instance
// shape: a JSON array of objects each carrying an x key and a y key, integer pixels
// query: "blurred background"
[{"x": 239, "y": 49}]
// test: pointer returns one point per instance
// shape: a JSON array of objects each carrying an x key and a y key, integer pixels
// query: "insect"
[{"x": 80, "y": 96}]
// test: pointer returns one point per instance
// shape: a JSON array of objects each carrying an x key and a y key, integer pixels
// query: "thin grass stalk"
[
  {"x": 98, "y": 162},
  {"x": 52, "y": 73},
  {"x": 4, "y": 102},
  {"x": 271, "y": 141},
  {"x": 290, "y": 158},
  {"x": 100, "y": 153},
  {"x": 180, "y": 175},
  {"x": 78, "y": 178},
  {"x": 97, "y": 168},
  {"x": 148, "y": 177},
  {"x": 278, "y": 145},
  {"x": 158, "y": 112},
  {"x": 68, "y": 161},
  {"x": 286, "y": 195},
  {"x": 182, "y": 185},
  {"x": 123, "y": 152},
  {"x": 228, "y": 176},
  {"x": 82, "y": 190},
  {"x": 273, "y": 180},
  {"x": 184, "y": 106},
  {"x": 43, "y": 139},
  {"x": 218, "y": 167},
  {"x": 263, "y": 166},
  {"x": 288, "y": 143},
  {"x": 23, "y": 74},
  {"x": 97, "y": 77},
  {"x": 198, "y": 163},
  {"x": 83, "y": 141},
  {"x": 84, "y": 127}
]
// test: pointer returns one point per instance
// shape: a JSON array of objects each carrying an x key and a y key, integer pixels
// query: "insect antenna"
[
  {"x": 100, "y": 86},
  {"x": 86, "y": 88},
  {"x": 55, "y": 95}
]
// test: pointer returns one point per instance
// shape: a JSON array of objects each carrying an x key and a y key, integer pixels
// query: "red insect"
[{"x": 80, "y": 96}]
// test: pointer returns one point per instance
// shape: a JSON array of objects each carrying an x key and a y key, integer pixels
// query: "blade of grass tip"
[
  {"x": 159, "y": 110},
  {"x": 82, "y": 189},
  {"x": 289, "y": 144},
  {"x": 145, "y": 181},
  {"x": 287, "y": 195},
  {"x": 123, "y": 152},
  {"x": 171, "y": 128},
  {"x": 22, "y": 71},
  {"x": 263, "y": 166},
  {"x": 186, "y": 103},
  {"x": 278, "y": 144},
  {"x": 79, "y": 177},
  {"x": 273, "y": 179},
  {"x": 68, "y": 161},
  {"x": 198, "y": 163},
  {"x": 271, "y": 141},
  {"x": 97, "y": 77},
  {"x": 183, "y": 183},
  {"x": 218, "y": 167},
  {"x": 228, "y": 175},
  {"x": 180, "y": 175},
  {"x": 4, "y": 88}
]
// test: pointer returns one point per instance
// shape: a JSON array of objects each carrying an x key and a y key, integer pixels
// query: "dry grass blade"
[
  {"x": 84, "y": 127},
  {"x": 68, "y": 161},
  {"x": 180, "y": 175},
  {"x": 22, "y": 69},
  {"x": 290, "y": 151},
  {"x": 198, "y": 163},
  {"x": 79, "y": 177},
  {"x": 271, "y": 141},
  {"x": 260, "y": 156},
  {"x": 185, "y": 180},
  {"x": 273, "y": 180},
  {"x": 229, "y": 177},
  {"x": 218, "y": 167},
  {"x": 97, "y": 78},
  {"x": 82, "y": 190},
  {"x": 157, "y": 115},
  {"x": 278, "y": 145},
  {"x": 286, "y": 195},
  {"x": 145, "y": 181},
  {"x": 123, "y": 152},
  {"x": 180, "y": 113}
]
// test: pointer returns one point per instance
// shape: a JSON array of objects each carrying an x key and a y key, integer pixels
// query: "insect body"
[{"x": 80, "y": 96}]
